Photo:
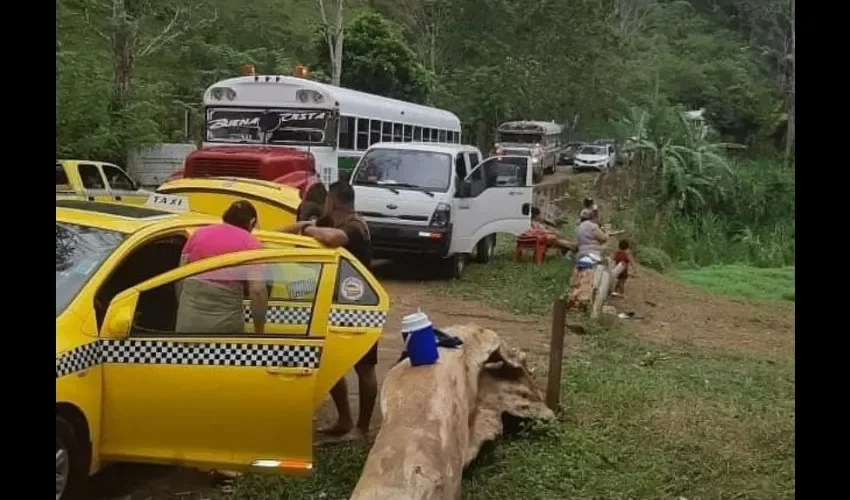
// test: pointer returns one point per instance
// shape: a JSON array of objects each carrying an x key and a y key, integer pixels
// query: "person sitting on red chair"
[{"x": 539, "y": 230}]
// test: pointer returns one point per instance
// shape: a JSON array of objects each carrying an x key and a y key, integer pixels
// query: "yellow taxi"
[
  {"x": 129, "y": 387},
  {"x": 276, "y": 204}
]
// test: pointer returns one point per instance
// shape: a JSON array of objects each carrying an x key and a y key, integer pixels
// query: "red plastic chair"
[{"x": 537, "y": 244}]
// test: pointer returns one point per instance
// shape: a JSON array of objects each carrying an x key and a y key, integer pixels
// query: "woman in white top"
[{"x": 590, "y": 237}]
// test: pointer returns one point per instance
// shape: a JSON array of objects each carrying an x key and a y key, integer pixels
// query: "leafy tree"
[{"x": 379, "y": 61}]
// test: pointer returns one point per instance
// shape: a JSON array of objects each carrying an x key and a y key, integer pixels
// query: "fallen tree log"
[{"x": 436, "y": 418}]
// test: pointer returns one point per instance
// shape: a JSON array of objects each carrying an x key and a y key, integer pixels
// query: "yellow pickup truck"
[{"x": 97, "y": 181}]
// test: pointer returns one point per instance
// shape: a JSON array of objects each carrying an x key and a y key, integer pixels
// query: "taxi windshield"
[{"x": 79, "y": 252}]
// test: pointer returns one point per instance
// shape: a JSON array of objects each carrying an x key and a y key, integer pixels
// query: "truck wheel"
[
  {"x": 454, "y": 266},
  {"x": 71, "y": 467},
  {"x": 485, "y": 248}
]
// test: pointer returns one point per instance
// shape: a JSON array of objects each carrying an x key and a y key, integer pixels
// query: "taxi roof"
[
  {"x": 273, "y": 192},
  {"x": 61, "y": 161},
  {"x": 123, "y": 218}
]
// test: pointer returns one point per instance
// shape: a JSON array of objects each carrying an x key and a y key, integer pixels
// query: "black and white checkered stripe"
[
  {"x": 78, "y": 359},
  {"x": 357, "y": 318},
  {"x": 282, "y": 315},
  {"x": 160, "y": 352}
]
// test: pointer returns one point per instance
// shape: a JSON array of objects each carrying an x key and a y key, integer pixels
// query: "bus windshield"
[
  {"x": 509, "y": 137},
  {"x": 270, "y": 126},
  {"x": 405, "y": 169}
]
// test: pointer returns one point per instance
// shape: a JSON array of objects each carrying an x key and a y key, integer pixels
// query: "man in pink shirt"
[{"x": 212, "y": 302}]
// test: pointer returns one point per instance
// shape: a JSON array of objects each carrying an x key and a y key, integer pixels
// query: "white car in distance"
[{"x": 598, "y": 157}]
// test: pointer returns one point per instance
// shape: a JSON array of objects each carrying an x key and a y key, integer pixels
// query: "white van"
[{"x": 440, "y": 200}]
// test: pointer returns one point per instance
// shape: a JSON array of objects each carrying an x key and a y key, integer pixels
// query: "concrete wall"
[{"x": 152, "y": 165}]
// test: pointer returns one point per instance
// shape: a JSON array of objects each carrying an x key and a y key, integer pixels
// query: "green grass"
[
  {"x": 770, "y": 284},
  {"x": 521, "y": 288},
  {"x": 639, "y": 423}
]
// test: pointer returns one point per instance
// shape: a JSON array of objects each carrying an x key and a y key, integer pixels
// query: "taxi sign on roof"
[
  {"x": 131, "y": 211},
  {"x": 170, "y": 202}
]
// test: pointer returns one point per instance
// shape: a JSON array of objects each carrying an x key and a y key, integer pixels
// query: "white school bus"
[{"x": 335, "y": 125}]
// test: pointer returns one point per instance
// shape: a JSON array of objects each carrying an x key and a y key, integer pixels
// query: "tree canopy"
[{"x": 129, "y": 71}]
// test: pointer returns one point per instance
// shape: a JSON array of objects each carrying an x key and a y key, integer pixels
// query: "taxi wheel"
[{"x": 70, "y": 466}]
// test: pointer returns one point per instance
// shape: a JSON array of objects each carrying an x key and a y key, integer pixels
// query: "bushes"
[
  {"x": 701, "y": 203},
  {"x": 653, "y": 258},
  {"x": 709, "y": 239}
]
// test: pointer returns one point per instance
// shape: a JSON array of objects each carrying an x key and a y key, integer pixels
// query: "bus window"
[
  {"x": 417, "y": 134},
  {"x": 397, "y": 136},
  {"x": 408, "y": 133},
  {"x": 434, "y": 135},
  {"x": 387, "y": 135},
  {"x": 442, "y": 136},
  {"x": 362, "y": 134},
  {"x": 374, "y": 132},
  {"x": 450, "y": 137},
  {"x": 346, "y": 132},
  {"x": 426, "y": 134}
]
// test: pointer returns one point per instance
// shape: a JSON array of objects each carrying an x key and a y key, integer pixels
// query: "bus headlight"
[{"x": 442, "y": 215}]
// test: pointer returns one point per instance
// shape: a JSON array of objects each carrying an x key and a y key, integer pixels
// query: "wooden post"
[{"x": 556, "y": 353}]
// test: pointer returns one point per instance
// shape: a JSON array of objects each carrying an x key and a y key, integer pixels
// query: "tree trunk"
[
  {"x": 432, "y": 47},
  {"x": 792, "y": 84},
  {"x": 338, "y": 42},
  {"x": 123, "y": 47},
  {"x": 334, "y": 36}
]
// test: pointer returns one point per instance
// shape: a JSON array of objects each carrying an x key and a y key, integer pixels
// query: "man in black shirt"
[{"x": 340, "y": 226}]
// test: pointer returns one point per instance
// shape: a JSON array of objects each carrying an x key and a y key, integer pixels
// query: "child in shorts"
[{"x": 623, "y": 256}]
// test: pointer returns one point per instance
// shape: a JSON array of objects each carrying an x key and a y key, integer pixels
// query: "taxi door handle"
[{"x": 289, "y": 371}]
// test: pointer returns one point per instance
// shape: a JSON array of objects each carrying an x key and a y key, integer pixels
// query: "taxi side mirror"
[
  {"x": 119, "y": 315},
  {"x": 119, "y": 321}
]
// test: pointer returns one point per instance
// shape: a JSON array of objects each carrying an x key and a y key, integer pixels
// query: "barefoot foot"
[{"x": 340, "y": 429}]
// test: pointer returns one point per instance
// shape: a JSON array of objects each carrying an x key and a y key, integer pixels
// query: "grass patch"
[
  {"x": 519, "y": 287},
  {"x": 337, "y": 470},
  {"x": 640, "y": 423},
  {"x": 763, "y": 284}
]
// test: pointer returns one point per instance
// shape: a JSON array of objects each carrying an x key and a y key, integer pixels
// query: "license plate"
[{"x": 168, "y": 202}]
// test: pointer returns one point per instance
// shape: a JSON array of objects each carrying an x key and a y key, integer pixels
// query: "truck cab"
[
  {"x": 439, "y": 201},
  {"x": 97, "y": 181}
]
